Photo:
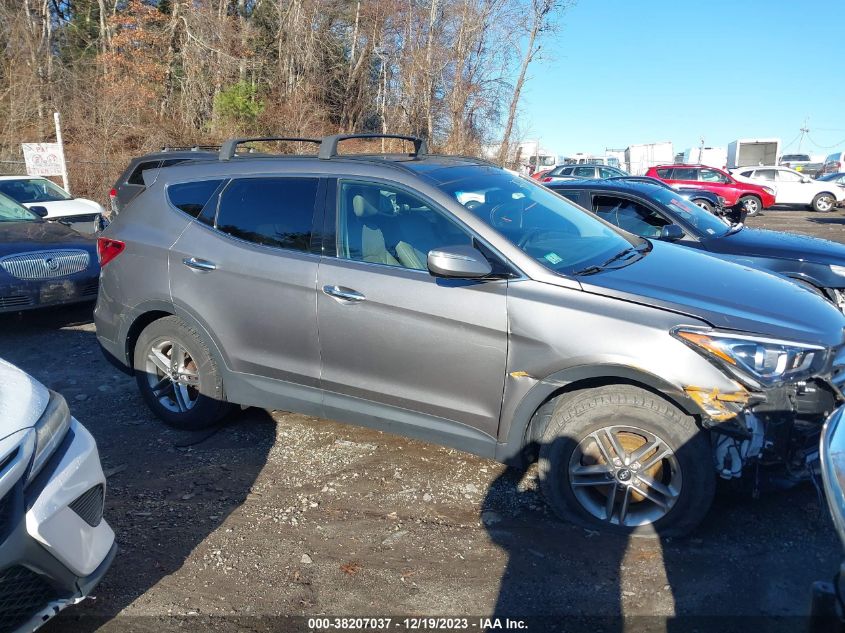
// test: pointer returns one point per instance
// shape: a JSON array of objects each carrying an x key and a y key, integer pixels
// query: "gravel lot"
[{"x": 282, "y": 514}]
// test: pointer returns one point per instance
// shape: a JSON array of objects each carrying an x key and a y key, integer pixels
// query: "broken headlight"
[{"x": 761, "y": 360}]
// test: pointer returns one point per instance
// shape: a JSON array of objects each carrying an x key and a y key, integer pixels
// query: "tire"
[
  {"x": 824, "y": 202},
  {"x": 688, "y": 473},
  {"x": 197, "y": 401},
  {"x": 704, "y": 205},
  {"x": 751, "y": 204}
]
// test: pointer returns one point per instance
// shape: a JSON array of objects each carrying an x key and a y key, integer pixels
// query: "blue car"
[
  {"x": 659, "y": 212},
  {"x": 43, "y": 263}
]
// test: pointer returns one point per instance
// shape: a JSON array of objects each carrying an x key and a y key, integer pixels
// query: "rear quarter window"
[
  {"x": 136, "y": 177},
  {"x": 191, "y": 197},
  {"x": 664, "y": 173}
]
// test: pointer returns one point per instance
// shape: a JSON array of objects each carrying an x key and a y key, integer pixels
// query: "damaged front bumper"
[{"x": 778, "y": 425}]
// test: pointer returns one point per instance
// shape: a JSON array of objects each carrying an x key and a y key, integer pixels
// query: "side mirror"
[
  {"x": 458, "y": 262},
  {"x": 671, "y": 233},
  {"x": 41, "y": 212}
]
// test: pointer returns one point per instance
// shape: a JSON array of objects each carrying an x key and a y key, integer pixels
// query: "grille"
[
  {"x": 89, "y": 505},
  {"x": 6, "y": 509},
  {"x": 45, "y": 264},
  {"x": 22, "y": 594},
  {"x": 14, "y": 301}
]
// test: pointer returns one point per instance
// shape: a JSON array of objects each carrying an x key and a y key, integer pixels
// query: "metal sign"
[{"x": 43, "y": 159}]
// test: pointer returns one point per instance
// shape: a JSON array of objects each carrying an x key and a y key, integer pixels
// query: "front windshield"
[
  {"x": 547, "y": 227},
  {"x": 11, "y": 211},
  {"x": 707, "y": 224},
  {"x": 26, "y": 190}
]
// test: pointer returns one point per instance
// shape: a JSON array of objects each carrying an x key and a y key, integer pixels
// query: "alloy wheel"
[
  {"x": 625, "y": 475},
  {"x": 824, "y": 203},
  {"x": 172, "y": 375}
]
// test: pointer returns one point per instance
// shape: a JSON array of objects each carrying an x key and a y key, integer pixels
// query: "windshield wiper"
[{"x": 623, "y": 254}]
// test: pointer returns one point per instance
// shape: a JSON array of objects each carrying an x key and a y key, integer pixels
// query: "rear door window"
[
  {"x": 585, "y": 172},
  {"x": 664, "y": 173},
  {"x": 136, "y": 177},
  {"x": 684, "y": 173},
  {"x": 276, "y": 212},
  {"x": 191, "y": 197}
]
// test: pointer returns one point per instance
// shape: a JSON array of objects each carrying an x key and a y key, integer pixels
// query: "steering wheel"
[{"x": 499, "y": 220}]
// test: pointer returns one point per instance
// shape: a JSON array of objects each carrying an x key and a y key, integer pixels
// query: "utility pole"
[{"x": 804, "y": 131}]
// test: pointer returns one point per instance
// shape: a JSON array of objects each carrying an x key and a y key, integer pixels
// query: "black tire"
[
  {"x": 824, "y": 202},
  {"x": 751, "y": 204},
  {"x": 704, "y": 205},
  {"x": 579, "y": 414},
  {"x": 207, "y": 399}
]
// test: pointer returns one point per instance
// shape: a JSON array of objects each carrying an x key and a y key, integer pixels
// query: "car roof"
[
  {"x": 24, "y": 177},
  {"x": 180, "y": 153},
  {"x": 609, "y": 184}
]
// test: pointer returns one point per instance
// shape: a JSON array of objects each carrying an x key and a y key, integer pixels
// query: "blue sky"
[{"x": 623, "y": 72}]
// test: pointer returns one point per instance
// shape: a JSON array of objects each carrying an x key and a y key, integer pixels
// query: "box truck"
[
  {"x": 753, "y": 151},
  {"x": 710, "y": 156},
  {"x": 638, "y": 158}
]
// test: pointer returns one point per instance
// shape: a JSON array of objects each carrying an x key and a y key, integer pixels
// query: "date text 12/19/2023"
[{"x": 436, "y": 624}]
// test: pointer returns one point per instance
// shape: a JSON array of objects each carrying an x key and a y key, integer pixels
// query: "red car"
[{"x": 751, "y": 198}]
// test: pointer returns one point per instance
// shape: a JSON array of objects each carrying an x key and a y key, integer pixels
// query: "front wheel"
[
  {"x": 622, "y": 459},
  {"x": 177, "y": 375},
  {"x": 824, "y": 202},
  {"x": 751, "y": 205},
  {"x": 704, "y": 205}
]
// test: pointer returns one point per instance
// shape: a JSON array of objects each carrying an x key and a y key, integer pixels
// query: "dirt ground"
[{"x": 276, "y": 514}]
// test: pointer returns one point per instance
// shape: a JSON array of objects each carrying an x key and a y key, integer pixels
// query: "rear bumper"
[
  {"x": 57, "y": 546},
  {"x": 17, "y": 294}
]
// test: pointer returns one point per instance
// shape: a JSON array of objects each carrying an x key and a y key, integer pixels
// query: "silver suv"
[{"x": 447, "y": 299}]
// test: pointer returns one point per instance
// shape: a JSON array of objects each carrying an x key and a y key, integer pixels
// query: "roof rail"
[
  {"x": 227, "y": 151},
  {"x": 328, "y": 146},
  {"x": 192, "y": 148}
]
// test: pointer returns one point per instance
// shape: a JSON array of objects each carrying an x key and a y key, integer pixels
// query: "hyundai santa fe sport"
[{"x": 447, "y": 299}]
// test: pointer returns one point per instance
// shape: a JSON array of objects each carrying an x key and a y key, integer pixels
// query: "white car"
[
  {"x": 34, "y": 191},
  {"x": 792, "y": 187},
  {"x": 54, "y": 544}
]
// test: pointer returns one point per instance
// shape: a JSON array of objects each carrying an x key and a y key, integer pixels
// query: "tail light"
[
  {"x": 108, "y": 249},
  {"x": 113, "y": 194},
  {"x": 547, "y": 179}
]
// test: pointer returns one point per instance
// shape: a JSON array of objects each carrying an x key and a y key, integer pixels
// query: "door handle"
[
  {"x": 202, "y": 265},
  {"x": 346, "y": 294}
]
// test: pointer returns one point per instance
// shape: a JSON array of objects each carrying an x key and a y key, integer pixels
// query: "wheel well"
[
  {"x": 135, "y": 330},
  {"x": 542, "y": 415}
]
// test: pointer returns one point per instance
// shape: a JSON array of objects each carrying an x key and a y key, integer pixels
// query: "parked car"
[
  {"x": 571, "y": 172},
  {"x": 827, "y": 611},
  {"x": 43, "y": 263},
  {"x": 834, "y": 163},
  {"x": 837, "y": 177},
  {"x": 537, "y": 175},
  {"x": 83, "y": 215},
  {"x": 752, "y": 198},
  {"x": 795, "y": 161},
  {"x": 55, "y": 545},
  {"x": 522, "y": 326},
  {"x": 793, "y": 188},
  {"x": 131, "y": 181},
  {"x": 655, "y": 212},
  {"x": 707, "y": 200}
]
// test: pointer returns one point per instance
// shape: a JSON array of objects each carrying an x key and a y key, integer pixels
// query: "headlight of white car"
[
  {"x": 762, "y": 360},
  {"x": 50, "y": 430}
]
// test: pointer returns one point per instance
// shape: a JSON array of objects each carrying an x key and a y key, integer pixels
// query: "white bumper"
[{"x": 76, "y": 544}]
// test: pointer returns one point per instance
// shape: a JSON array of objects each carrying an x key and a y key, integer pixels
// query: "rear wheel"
[
  {"x": 177, "y": 375},
  {"x": 824, "y": 202},
  {"x": 704, "y": 205},
  {"x": 751, "y": 205},
  {"x": 622, "y": 459}
]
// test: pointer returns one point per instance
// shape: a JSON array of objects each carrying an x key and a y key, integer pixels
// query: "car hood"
[
  {"x": 22, "y": 399},
  {"x": 18, "y": 237},
  {"x": 726, "y": 295},
  {"x": 75, "y": 206},
  {"x": 764, "y": 243}
]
